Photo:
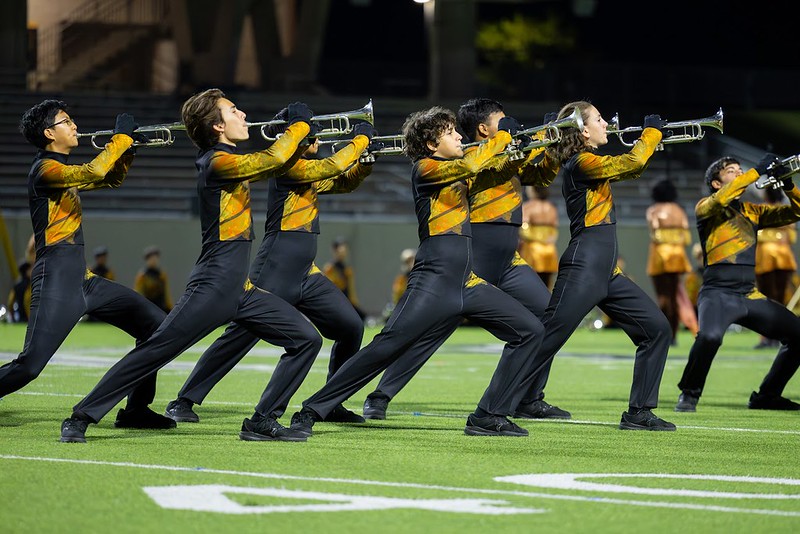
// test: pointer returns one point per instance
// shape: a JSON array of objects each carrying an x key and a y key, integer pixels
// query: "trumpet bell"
[{"x": 329, "y": 126}]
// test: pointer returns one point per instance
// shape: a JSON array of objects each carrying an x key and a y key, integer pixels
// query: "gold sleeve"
[
  {"x": 56, "y": 175},
  {"x": 729, "y": 192},
  {"x": 265, "y": 164},
  {"x": 434, "y": 171},
  {"x": 346, "y": 182},
  {"x": 625, "y": 166},
  {"x": 314, "y": 170}
]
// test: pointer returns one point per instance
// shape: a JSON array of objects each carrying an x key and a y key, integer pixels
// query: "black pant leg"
[
  {"x": 411, "y": 318},
  {"x": 330, "y": 311},
  {"x": 716, "y": 311},
  {"x": 508, "y": 320},
  {"x": 772, "y": 320},
  {"x": 57, "y": 304},
  {"x": 521, "y": 282},
  {"x": 129, "y": 311},
  {"x": 644, "y": 322},
  {"x": 578, "y": 288},
  {"x": 217, "y": 361},
  {"x": 279, "y": 323},
  {"x": 402, "y": 370},
  {"x": 199, "y": 311}
]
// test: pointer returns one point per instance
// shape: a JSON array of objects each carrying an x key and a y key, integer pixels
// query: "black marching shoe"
[
  {"x": 303, "y": 422},
  {"x": 180, "y": 411},
  {"x": 644, "y": 419},
  {"x": 759, "y": 401},
  {"x": 492, "y": 425},
  {"x": 375, "y": 407},
  {"x": 143, "y": 418},
  {"x": 73, "y": 430},
  {"x": 340, "y": 414},
  {"x": 687, "y": 403},
  {"x": 541, "y": 409},
  {"x": 268, "y": 429}
]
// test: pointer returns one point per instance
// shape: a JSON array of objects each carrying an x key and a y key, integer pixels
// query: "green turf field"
[{"x": 726, "y": 468}]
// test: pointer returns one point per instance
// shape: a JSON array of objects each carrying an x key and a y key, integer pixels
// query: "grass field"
[{"x": 726, "y": 468}]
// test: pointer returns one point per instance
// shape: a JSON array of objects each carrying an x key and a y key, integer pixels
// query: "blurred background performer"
[
  {"x": 339, "y": 271},
  {"x": 495, "y": 216},
  {"x": 727, "y": 227},
  {"x": 284, "y": 266},
  {"x": 218, "y": 290},
  {"x": 442, "y": 286},
  {"x": 151, "y": 280},
  {"x": 775, "y": 261},
  {"x": 539, "y": 233},
  {"x": 667, "y": 261},
  {"x": 587, "y": 273},
  {"x": 62, "y": 288}
]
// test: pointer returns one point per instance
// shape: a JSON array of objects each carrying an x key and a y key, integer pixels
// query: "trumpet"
[
  {"x": 552, "y": 130},
  {"x": 791, "y": 165},
  {"x": 338, "y": 124},
  {"x": 692, "y": 130},
  {"x": 390, "y": 145},
  {"x": 551, "y": 135},
  {"x": 158, "y": 135}
]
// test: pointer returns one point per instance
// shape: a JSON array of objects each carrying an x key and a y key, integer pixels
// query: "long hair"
[
  {"x": 474, "y": 112},
  {"x": 36, "y": 120},
  {"x": 199, "y": 114},
  {"x": 572, "y": 139},
  {"x": 426, "y": 126}
]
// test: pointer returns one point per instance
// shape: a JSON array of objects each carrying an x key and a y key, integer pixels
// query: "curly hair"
[
  {"x": 425, "y": 127},
  {"x": 36, "y": 120},
  {"x": 664, "y": 191},
  {"x": 199, "y": 114},
  {"x": 572, "y": 139},
  {"x": 474, "y": 112},
  {"x": 712, "y": 173}
]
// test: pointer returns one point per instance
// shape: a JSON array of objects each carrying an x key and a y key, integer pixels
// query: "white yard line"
[{"x": 432, "y": 487}]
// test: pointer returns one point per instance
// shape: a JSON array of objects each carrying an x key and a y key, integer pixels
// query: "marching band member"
[
  {"x": 728, "y": 227},
  {"x": 218, "y": 290},
  {"x": 667, "y": 261},
  {"x": 284, "y": 266},
  {"x": 775, "y": 262},
  {"x": 442, "y": 284},
  {"x": 495, "y": 216},
  {"x": 62, "y": 288},
  {"x": 587, "y": 273},
  {"x": 539, "y": 233}
]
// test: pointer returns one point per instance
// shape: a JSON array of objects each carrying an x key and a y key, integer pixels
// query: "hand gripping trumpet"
[
  {"x": 687, "y": 131},
  {"x": 158, "y": 135},
  {"x": 330, "y": 126},
  {"x": 787, "y": 167},
  {"x": 546, "y": 135}
]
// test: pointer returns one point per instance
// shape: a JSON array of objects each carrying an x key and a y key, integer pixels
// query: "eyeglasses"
[{"x": 69, "y": 122}]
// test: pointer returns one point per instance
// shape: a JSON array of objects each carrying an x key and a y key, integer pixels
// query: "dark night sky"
[{"x": 677, "y": 32}]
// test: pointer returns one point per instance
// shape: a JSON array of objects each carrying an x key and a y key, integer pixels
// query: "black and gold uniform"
[
  {"x": 62, "y": 288},
  {"x": 284, "y": 266},
  {"x": 728, "y": 234},
  {"x": 442, "y": 286},
  {"x": 588, "y": 275},
  {"x": 495, "y": 215},
  {"x": 218, "y": 290}
]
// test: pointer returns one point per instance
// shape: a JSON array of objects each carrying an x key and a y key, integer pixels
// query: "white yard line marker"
[{"x": 432, "y": 487}]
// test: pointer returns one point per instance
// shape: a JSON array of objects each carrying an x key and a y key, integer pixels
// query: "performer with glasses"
[{"x": 62, "y": 288}]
